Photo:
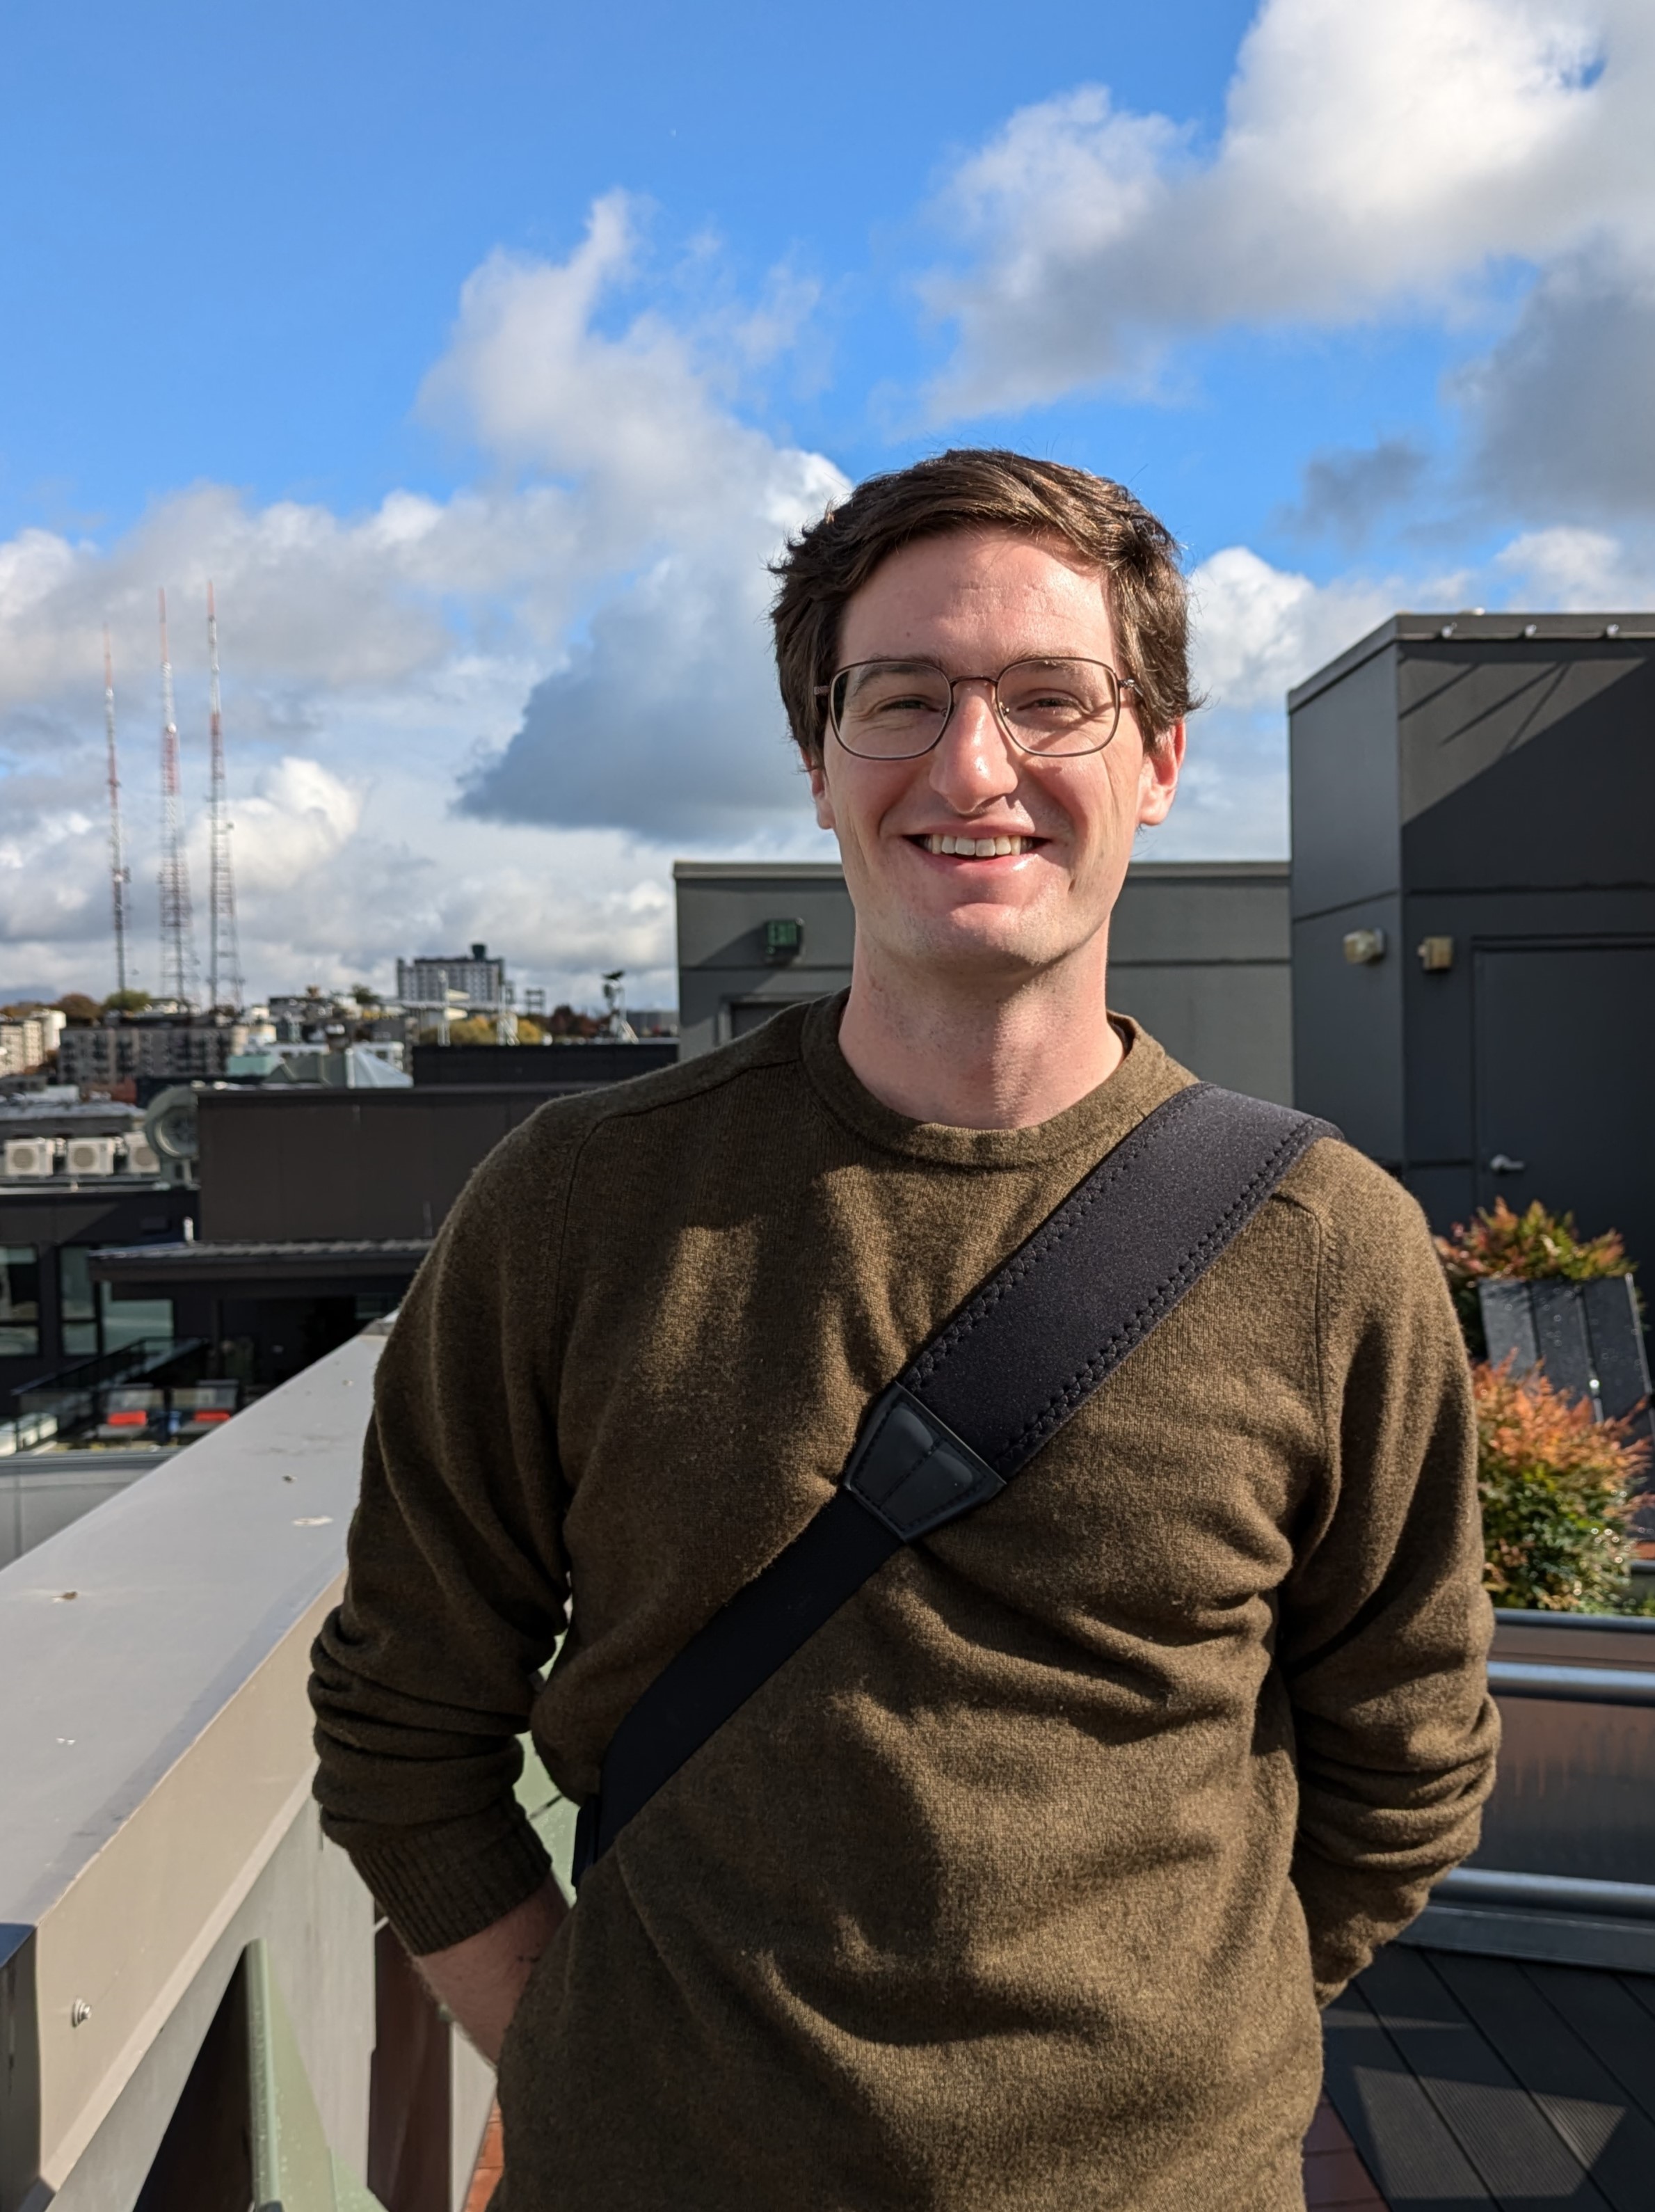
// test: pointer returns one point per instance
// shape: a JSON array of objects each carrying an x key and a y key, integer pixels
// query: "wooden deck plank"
[
  {"x": 1514, "y": 2149},
  {"x": 1614, "y": 2141},
  {"x": 1335, "y": 2179},
  {"x": 1603, "y": 2010},
  {"x": 1401, "y": 2137}
]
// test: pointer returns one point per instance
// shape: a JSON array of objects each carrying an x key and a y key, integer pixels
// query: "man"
[{"x": 1018, "y": 1883}]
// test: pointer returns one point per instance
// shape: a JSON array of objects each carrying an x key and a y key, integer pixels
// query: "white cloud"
[
  {"x": 1578, "y": 571},
  {"x": 608, "y": 564},
  {"x": 1373, "y": 160}
]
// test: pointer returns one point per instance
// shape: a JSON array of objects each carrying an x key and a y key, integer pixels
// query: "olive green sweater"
[{"x": 1017, "y": 1886}]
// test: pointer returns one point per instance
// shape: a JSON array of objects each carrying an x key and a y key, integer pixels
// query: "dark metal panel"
[
  {"x": 1342, "y": 744},
  {"x": 1347, "y": 1029},
  {"x": 1231, "y": 1023},
  {"x": 1613, "y": 2141},
  {"x": 1507, "y": 2139},
  {"x": 548, "y": 1067},
  {"x": 1570, "y": 806},
  {"x": 345, "y": 1164},
  {"x": 1466, "y": 705},
  {"x": 1565, "y": 1045},
  {"x": 1204, "y": 912}
]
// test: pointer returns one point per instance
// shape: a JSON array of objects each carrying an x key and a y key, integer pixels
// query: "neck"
[{"x": 979, "y": 1056}]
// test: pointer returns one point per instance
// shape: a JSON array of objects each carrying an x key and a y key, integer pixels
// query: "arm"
[
  {"x": 424, "y": 1676},
  {"x": 1385, "y": 1626},
  {"x": 481, "y": 1979}
]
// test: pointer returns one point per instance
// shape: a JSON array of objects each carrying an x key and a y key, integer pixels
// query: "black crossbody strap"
[{"x": 1027, "y": 1349}]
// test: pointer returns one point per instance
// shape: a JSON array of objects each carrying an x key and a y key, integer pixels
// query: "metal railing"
[
  {"x": 70, "y": 1395},
  {"x": 1565, "y": 1870}
]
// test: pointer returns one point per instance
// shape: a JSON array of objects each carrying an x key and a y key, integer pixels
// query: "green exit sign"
[{"x": 783, "y": 940}]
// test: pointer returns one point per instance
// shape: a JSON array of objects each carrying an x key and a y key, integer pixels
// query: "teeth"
[{"x": 980, "y": 848}]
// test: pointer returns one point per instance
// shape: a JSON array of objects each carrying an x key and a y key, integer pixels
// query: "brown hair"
[{"x": 982, "y": 487}]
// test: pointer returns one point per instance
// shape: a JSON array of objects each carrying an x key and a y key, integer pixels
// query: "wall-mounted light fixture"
[
  {"x": 1436, "y": 954},
  {"x": 1363, "y": 947}
]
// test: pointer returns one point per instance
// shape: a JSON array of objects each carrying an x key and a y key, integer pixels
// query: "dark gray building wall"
[
  {"x": 283, "y": 1165},
  {"x": 725, "y": 984},
  {"x": 1522, "y": 773},
  {"x": 1199, "y": 953}
]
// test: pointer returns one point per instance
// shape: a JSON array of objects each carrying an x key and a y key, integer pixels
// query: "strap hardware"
[{"x": 911, "y": 1471}]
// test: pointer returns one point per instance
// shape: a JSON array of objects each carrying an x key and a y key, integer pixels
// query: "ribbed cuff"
[{"x": 437, "y": 1886}]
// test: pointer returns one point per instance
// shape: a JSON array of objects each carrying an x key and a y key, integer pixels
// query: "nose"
[{"x": 974, "y": 761}]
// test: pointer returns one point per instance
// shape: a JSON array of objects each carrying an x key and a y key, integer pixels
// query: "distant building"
[
  {"x": 26, "y": 1040},
  {"x": 1474, "y": 909},
  {"x": 438, "y": 979},
  {"x": 167, "y": 1047},
  {"x": 1198, "y": 952}
]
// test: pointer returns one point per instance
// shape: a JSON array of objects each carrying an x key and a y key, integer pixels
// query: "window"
[
  {"x": 77, "y": 1300},
  {"x": 20, "y": 1300},
  {"x": 126, "y": 1320}
]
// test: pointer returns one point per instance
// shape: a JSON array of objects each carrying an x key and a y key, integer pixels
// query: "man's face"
[{"x": 975, "y": 602}]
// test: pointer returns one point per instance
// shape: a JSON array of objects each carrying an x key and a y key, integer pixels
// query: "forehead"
[{"x": 979, "y": 591}]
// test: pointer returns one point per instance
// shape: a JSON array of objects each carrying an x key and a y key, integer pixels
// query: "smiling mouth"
[{"x": 977, "y": 848}]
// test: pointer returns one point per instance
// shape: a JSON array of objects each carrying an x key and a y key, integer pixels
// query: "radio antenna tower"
[
  {"x": 224, "y": 986},
  {"x": 119, "y": 874},
  {"x": 177, "y": 944}
]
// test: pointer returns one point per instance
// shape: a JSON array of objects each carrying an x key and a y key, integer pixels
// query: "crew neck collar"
[{"x": 1092, "y": 1125}]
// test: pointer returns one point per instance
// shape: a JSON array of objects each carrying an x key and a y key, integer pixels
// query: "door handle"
[{"x": 1503, "y": 1163}]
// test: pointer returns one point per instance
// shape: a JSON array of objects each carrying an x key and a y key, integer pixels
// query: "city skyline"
[{"x": 483, "y": 376}]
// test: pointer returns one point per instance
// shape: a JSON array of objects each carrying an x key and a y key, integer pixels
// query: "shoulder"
[
  {"x": 547, "y": 1147},
  {"x": 1378, "y": 1254}
]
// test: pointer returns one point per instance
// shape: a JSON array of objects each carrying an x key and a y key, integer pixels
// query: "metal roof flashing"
[{"x": 1514, "y": 628}]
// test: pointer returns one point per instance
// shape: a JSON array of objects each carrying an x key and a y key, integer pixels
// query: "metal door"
[{"x": 1565, "y": 1042}]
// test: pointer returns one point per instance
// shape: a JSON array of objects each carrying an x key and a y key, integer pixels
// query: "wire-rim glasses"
[{"x": 1058, "y": 707}]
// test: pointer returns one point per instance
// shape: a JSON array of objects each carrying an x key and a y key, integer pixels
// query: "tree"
[
  {"x": 127, "y": 1002},
  {"x": 77, "y": 1007},
  {"x": 476, "y": 1029}
]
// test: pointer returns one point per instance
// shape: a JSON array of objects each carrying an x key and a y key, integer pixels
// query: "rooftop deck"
[{"x": 176, "y": 1945}]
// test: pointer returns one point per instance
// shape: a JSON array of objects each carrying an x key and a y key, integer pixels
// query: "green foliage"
[
  {"x": 1557, "y": 1489},
  {"x": 1531, "y": 1247},
  {"x": 476, "y": 1029},
  {"x": 127, "y": 1002}
]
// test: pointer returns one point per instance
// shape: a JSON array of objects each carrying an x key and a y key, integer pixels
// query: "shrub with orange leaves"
[
  {"x": 1557, "y": 1491},
  {"x": 1531, "y": 1247}
]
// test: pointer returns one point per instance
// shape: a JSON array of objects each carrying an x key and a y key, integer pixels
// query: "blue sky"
[{"x": 482, "y": 358}]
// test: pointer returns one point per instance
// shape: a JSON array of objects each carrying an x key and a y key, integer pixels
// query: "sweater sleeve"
[
  {"x": 1384, "y": 1627},
  {"x": 455, "y": 1593}
]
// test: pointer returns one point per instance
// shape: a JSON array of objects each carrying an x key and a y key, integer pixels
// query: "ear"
[
  {"x": 819, "y": 792},
  {"x": 1158, "y": 777}
]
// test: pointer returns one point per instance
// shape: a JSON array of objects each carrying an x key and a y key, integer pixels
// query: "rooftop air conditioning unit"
[
  {"x": 140, "y": 1157},
  {"x": 30, "y": 1156},
  {"x": 90, "y": 1156}
]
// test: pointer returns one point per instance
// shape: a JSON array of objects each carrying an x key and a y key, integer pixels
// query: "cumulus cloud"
[
  {"x": 665, "y": 718},
  {"x": 1371, "y": 160},
  {"x": 607, "y": 565},
  {"x": 1559, "y": 410},
  {"x": 1256, "y": 631},
  {"x": 1578, "y": 571},
  {"x": 1345, "y": 492}
]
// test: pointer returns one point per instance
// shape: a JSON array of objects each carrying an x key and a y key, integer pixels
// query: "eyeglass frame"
[{"x": 1123, "y": 684}]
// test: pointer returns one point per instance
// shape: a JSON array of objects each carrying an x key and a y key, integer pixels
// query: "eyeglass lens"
[{"x": 894, "y": 709}]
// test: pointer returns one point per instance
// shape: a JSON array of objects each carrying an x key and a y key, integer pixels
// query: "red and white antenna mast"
[
  {"x": 177, "y": 945},
  {"x": 224, "y": 984},
  {"x": 119, "y": 874}
]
